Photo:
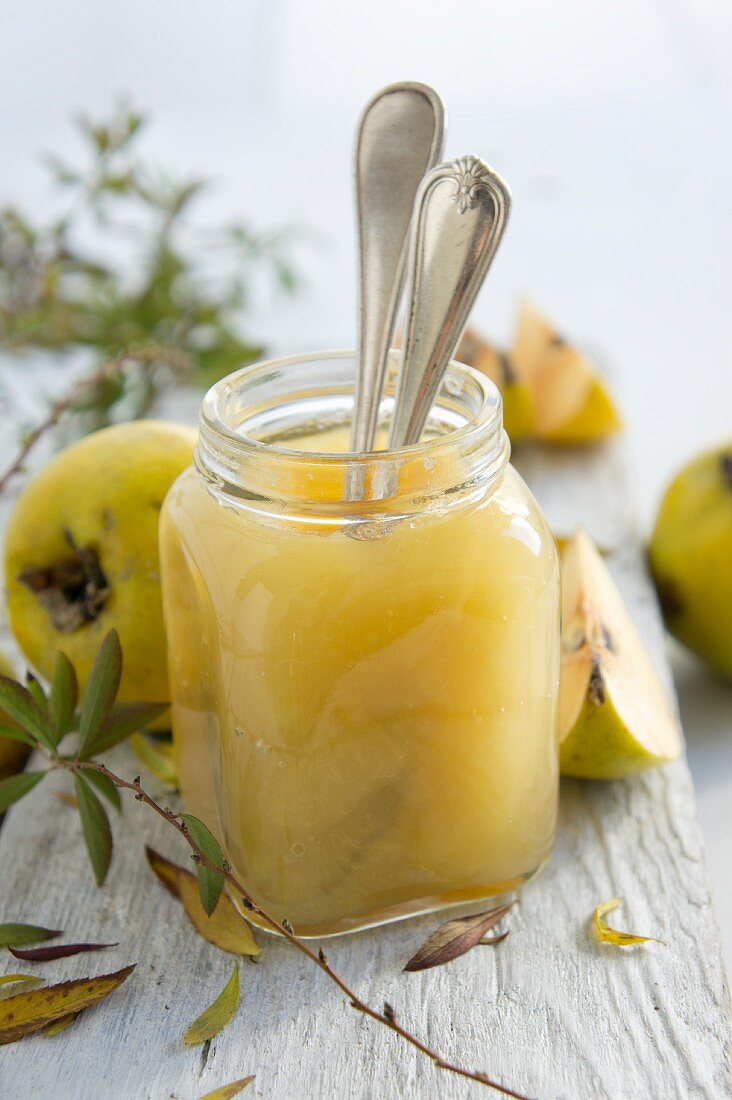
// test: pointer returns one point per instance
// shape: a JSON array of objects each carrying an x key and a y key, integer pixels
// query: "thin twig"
[
  {"x": 387, "y": 1017},
  {"x": 107, "y": 371}
]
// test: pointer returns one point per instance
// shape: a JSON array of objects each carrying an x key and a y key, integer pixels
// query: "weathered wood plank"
[{"x": 548, "y": 1012}]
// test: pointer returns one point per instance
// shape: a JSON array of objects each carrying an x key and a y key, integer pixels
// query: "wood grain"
[{"x": 549, "y": 1011}]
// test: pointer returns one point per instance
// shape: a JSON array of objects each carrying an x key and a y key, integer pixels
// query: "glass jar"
[{"x": 364, "y": 649}]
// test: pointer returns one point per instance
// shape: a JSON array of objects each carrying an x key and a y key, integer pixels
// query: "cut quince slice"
[
  {"x": 570, "y": 401},
  {"x": 518, "y": 411},
  {"x": 615, "y": 718}
]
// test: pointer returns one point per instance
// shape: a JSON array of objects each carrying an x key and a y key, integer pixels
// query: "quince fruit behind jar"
[
  {"x": 691, "y": 557},
  {"x": 81, "y": 553}
]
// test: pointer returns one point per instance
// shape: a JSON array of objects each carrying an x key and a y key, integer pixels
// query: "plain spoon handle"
[
  {"x": 399, "y": 138},
  {"x": 460, "y": 213}
]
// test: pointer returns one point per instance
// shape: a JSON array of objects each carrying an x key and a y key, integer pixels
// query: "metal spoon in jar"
[
  {"x": 399, "y": 138},
  {"x": 460, "y": 215}
]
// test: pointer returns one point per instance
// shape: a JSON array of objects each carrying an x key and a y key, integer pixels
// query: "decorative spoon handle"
[
  {"x": 460, "y": 214},
  {"x": 399, "y": 138}
]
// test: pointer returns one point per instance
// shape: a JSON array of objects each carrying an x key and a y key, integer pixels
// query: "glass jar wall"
[{"x": 364, "y": 650}]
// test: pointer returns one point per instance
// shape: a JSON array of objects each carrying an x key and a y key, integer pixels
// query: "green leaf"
[
  {"x": 18, "y": 935},
  {"x": 37, "y": 692},
  {"x": 95, "y": 826},
  {"x": 210, "y": 884},
  {"x": 157, "y": 756},
  {"x": 227, "y": 1092},
  {"x": 125, "y": 719},
  {"x": 106, "y": 787},
  {"x": 63, "y": 697},
  {"x": 18, "y": 702},
  {"x": 11, "y": 790},
  {"x": 101, "y": 691},
  {"x": 12, "y": 733},
  {"x": 218, "y": 1014}
]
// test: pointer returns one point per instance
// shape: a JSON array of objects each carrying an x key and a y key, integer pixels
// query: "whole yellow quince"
[
  {"x": 691, "y": 557},
  {"x": 81, "y": 553}
]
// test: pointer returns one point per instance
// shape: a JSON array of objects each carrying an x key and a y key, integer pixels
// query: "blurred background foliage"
[{"x": 122, "y": 275}]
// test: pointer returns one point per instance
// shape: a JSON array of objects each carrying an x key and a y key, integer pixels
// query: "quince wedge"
[
  {"x": 571, "y": 403},
  {"x": 551, "y": 390},
  {"x": 614, "y": 716}
]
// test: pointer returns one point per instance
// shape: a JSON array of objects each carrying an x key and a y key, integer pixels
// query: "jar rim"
[
  {"x": 466, "y": 416},
  {"x": 490, "y": 411}
]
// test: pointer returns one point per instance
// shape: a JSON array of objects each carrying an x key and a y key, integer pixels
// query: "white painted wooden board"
[{"x": 549, "y": 1012}]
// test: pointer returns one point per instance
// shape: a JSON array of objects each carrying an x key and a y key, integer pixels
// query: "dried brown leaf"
[
  {"x": 606, "y": 934},
  {"x": 455, "y": 938},
  {"x": 28, "y": 1012},
  {"x": 61, "y": 951}
]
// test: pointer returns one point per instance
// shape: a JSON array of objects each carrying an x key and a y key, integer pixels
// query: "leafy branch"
[
  {"x": 149, "y": 279},
  {"x": 111, "y": 373},
  {"x": 45, "y": 718}
]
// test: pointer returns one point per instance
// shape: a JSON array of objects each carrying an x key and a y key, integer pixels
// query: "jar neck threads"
[{"x": 265, "y": 430}]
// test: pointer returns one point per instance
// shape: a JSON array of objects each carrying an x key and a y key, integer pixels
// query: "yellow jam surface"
[{"x": 368, "y": 725}]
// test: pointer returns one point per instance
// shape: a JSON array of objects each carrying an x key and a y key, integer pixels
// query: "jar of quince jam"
[{"x": 364, "y": 690}]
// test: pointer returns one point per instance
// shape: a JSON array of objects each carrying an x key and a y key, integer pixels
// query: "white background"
[{"x": 610, "y": 120}]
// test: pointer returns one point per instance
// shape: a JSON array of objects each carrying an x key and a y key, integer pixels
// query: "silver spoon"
[
  {"x": 400, "y": 137},
  {"x": 460, "y": 214}
]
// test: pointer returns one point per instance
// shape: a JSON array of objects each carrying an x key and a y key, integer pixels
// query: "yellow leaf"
[
  {"x": 26, "y": 981},
  {"x": 218, "y": 1014},
  {"x": 606, "y": 934},
  {"x": 227, "y": 1091},
  {"x": 61, "y": 1024},
  {"x": 28, "y": 1012},
  {"x": 67, "y": 799},
  {"x": 166, "y": 871},
  {"x": 157, "y": 756},
  {"x": 225, "y": 928}
]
